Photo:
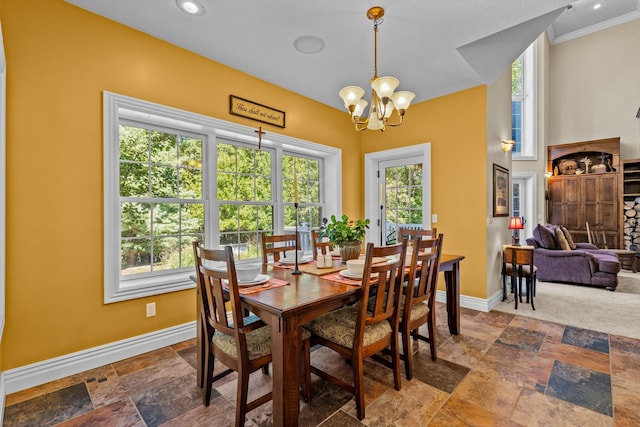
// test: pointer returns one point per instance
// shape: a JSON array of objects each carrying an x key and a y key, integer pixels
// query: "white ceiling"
[{"x": 433, "y": 47}]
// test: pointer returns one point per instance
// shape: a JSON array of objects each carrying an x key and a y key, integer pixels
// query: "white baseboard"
[
  {"x": 52, "y": 369},
  {"x": 3, "y": 394},
  {"x": 473, "y": 303}
]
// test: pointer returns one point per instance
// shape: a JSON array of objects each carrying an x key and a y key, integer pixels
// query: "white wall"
[
  {"x": 498, "y": 129},
  {"x": 594, "y": 88}
]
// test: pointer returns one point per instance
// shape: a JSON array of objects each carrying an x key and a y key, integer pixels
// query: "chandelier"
[{"x": 383, "y": 100}]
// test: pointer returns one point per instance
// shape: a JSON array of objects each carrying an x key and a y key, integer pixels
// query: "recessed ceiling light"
[
  {"x": 192, "y": 7},
  {"x": 597, "y": 6},
  {"x": 308, "y": 44}
]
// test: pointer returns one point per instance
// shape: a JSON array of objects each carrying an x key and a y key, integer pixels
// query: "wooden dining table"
[{"x": 307, "y": 296}]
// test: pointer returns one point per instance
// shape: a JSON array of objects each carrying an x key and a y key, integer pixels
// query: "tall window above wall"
[
  {"x": 172, "y": 177},
  {"x": 524, "y": 105}
]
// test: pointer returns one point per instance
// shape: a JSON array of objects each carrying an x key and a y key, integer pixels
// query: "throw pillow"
[
  {"x": 545, "y": 237},
  {"x": 569, "y": 238},
  {"x": 562, "y": 241}
]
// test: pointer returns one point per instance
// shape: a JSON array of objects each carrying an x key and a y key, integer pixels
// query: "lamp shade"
[
  {"x": 402, "y": 99},
  {"x": 384, "y": 86},
  {"x": 516, "y": 223},
  {"x": 351, "y": 95},
  {"x": 360, "y": 106}
]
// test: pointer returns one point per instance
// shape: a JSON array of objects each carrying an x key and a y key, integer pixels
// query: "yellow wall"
[
  {"x": 59, "y": 60},
  {"x": 455, "y": 125}
]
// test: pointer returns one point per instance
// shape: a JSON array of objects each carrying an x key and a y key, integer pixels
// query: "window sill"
[{"x": 149, "y": 286}]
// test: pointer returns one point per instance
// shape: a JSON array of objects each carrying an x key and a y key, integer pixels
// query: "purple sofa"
[{"x": 586, "y": 264}]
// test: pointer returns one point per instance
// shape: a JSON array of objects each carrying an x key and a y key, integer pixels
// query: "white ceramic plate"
[
  {"x": 259, "y": 280},
  {"x": 349, "y": 275},
  {"x": 302, "y": 260}
]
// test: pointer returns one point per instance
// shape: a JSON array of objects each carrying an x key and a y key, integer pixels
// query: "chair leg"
[
  {"x": 241, "y": 399},
  {"x": 395, "y": 361},
  {"x": 514, "y": 285},
  {"x": 504, "y": 285},
  {"x": 358, "y": 382},
  {"x": 207, "y": 372},
  {"x": 406, "y": 354},
  {"x": 530, "y": 291},
  {"x": 306, "y": 345},
  {"x": 431, "y": 327}
]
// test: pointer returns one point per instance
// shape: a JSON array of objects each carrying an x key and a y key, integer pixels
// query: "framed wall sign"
[
  {"x": 254, "y": 111},
  {"x": 500, "y": 191}
]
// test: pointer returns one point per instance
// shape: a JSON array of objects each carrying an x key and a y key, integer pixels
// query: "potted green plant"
[{"x": 347, "y": 235}]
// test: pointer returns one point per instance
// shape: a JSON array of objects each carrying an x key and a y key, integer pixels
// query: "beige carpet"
[{"x": 590, "y": 308}]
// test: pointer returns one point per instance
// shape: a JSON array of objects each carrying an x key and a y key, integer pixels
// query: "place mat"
[
  {"x": 312, "y": 269},
  {"x": 270, "y": 284},
  {"x": 337, "y": 277}
]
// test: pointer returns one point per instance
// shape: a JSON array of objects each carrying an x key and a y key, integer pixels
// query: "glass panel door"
[{"x": 400, "y": 192}]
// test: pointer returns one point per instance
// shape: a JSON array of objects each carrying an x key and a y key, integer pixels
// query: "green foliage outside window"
[{"x": 161, "y": 209}]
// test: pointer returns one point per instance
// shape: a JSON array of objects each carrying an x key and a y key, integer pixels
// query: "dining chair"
[
  {"x": 418, "y": 306},
  {"x": 277, "y": 245},
  {"x": 369, "y": 326},
  {"x": 410, "y": 233},
  {"x": 242, "y": 344},
  {"x": 517, "y": 263},
  {"x": 317, "y": 243}
]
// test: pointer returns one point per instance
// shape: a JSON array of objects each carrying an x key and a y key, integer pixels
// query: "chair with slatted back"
[
  {"x": 368, "y": 327},
  {"x": 318, "y": 243},
  {"x": 418, "y": 306},
  {"x": 517, "y": 263},
  {"x": 410, "y": 233},
  {"x": 243, "y": 344},
  {"x": 277, "y": 245}
]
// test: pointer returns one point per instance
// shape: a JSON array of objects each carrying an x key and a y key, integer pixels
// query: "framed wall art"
[{"x": 500, "y": 191}]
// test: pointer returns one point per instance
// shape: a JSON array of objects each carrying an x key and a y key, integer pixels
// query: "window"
[
  {"x": 523, "y": 105},
  {"x": 172, "y": 177},
  {"x": 162, "y": 208}
]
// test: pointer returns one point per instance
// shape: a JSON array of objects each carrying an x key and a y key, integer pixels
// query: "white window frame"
[
  {"x": 116, "y": 106},
  {"x": 529, "y": 150}
]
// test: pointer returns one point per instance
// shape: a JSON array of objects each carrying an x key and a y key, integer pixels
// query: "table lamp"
[{"x": 515, "y": 224}]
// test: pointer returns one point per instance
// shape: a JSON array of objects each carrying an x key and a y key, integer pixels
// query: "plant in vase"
[{"x": 347, "y": 235}]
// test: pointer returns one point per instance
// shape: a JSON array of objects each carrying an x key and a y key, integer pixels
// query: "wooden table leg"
[
  {"x": 452, "y": 281},
  {"x": 286, "y": 346}
]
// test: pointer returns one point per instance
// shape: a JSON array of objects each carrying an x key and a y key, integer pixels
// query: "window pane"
[
  {"x": 166, "y": 219},
  {"x": 134, "y": 180},
  {"x": 226, "y": 158},
  {"x": 135, "y": 256},
  {"x": 190, "y": 183},
  {"x": 245, "y": 160},
  {"x": 166, "y": 253},
  {"x": 265, "y": 218},
  {"x": 164, "y": 182},
  {"x": 164, "y": 148},
  {"x": 248, "y": 218},
  {"x": 134, "y": 144},
  {"x": 263, "y": 187},
  {"x": 226, "y": 186},
  {"x": 192, "y": 220},
  {"x": 228, "y": 217},
  {"x": 516, "y": 76},
  {"x": 190, "y": 151},
  {"x": 135, "y": 219},
  {"x": 516, "y": 125}
]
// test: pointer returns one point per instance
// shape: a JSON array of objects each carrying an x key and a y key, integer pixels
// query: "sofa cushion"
[
  {"x": 562, "y": 241},
  {"x": 569, "y": 237},
  {"x": 545, "y": 237},
  {"x": 607, "y": 263}
]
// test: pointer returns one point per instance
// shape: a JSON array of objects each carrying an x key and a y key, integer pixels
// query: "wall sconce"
[
  {"x": 507, "y": 145},
  {"x": 516, "y": 225}
]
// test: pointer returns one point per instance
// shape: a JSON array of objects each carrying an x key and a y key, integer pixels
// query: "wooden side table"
[{"x": 628, "y": 259}]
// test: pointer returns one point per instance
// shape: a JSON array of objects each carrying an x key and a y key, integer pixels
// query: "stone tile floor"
[{"x": 502, "y": 370}]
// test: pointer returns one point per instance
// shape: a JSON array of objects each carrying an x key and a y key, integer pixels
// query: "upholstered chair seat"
[{"x": 338, "y": 326}]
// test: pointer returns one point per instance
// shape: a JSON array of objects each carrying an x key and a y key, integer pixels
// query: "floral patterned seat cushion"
[
  {"x": 419, "y": 310},
  {"x": 339, "y": 326},
  {"x": 258, "y": 341}
]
